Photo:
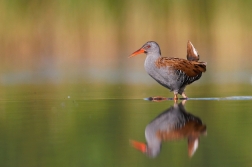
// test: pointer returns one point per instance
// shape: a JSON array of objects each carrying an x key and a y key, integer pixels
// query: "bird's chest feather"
[
  {"x": 163, "y": 75},
  {"x": 157, "y": 72}
]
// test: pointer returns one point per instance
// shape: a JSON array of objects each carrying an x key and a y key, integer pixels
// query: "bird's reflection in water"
[{"x": 173, "y": 124}]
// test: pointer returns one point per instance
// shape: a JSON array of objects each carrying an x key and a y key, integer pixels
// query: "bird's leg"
[
  {"x": 184, "y": 95},
  {"x": 175, "y": 97},
  {"x": 185, "y": 98}
]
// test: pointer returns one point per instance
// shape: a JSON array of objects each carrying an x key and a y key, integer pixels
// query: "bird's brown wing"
[{"x": 190, "y": 68}]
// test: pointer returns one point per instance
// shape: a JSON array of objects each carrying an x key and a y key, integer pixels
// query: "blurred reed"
[{"x": 76, "y": 36}]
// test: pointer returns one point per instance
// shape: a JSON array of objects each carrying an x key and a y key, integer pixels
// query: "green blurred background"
[
  {"x": 76, "y": 40},
  {"x": 89, "y": 119}
]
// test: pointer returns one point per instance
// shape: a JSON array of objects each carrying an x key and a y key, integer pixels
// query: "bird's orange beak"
[
  {"x": 139, "y": 146},
  {"x": 139, "y": 51}
]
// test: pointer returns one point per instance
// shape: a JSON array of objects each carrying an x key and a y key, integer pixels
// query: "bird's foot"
[{"x": 158, "y": 98}]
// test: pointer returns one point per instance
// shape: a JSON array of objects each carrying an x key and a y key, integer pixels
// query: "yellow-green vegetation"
[{"x": 74, "y": 35}]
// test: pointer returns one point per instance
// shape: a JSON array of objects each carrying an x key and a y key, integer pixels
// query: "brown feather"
[
  {"x": 191, "y": 129},
  {"x": 190, "y": 68},
  {"x": 192, "y": 54}
]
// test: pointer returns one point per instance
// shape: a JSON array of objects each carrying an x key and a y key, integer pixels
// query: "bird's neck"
[
  {"x": 154, "y": 144},
  {"x": 153, "y": 56},
  {"x": 150, "y": 60}
]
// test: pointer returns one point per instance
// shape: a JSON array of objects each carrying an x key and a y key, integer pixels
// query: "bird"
[
  {"x": 173, "y": 124},
  {"x": 172, "y": 72}
]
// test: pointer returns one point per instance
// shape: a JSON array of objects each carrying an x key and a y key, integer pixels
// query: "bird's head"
[{"x": 147, "y": 48}]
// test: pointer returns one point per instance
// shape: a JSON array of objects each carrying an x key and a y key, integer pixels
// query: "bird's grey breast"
[
  {"x": 151, "y": 67},
  {"x": 164, "y": 75}
]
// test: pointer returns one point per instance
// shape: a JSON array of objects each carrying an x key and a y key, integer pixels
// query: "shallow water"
[{"x": 91, "y": 125}]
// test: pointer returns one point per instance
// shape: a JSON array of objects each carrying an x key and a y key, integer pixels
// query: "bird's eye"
[{"x": 147, "y": 47}]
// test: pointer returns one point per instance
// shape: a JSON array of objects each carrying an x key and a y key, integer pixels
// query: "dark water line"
[{"x": 207, "y": 98}]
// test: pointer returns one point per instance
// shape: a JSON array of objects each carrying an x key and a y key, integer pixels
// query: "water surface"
[{"x": 91, "y": 125}]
